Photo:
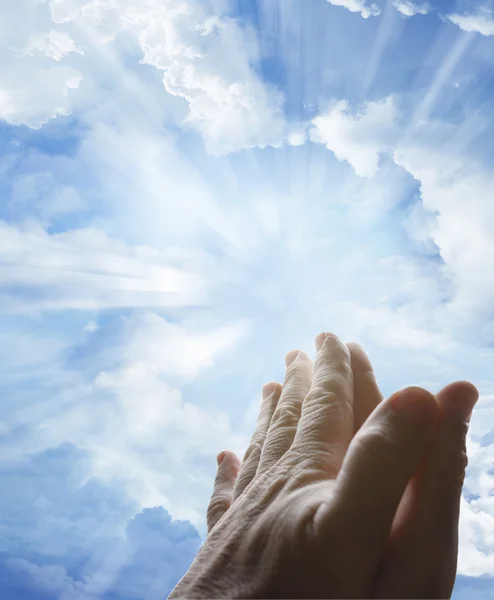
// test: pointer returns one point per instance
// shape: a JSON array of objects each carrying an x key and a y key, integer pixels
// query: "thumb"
[
  {"x": 380, "y": 461},
  {"x": 423, "y": 551},
  {"x": 228, "y": 468}
]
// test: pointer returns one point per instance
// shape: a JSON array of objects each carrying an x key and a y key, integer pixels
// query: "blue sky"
[{"x": 191, "y": 189}]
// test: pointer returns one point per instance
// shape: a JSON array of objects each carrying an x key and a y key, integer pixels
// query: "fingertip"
[
  {"x": 319, "y": 341},
  {"x": 359, "y": 358},
  {"x": 268, "y": 389},
  {"x": 322, "y": 337},
  {"x": 458, "y": 398},
  {"x": 291, "y": 357},
  {"x": 221, "y": 457},
  {"x": 227, "y": 456},
  {"x": 416, "y": 404}
]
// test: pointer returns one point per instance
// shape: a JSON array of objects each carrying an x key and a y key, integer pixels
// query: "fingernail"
[
  {"x": 268, "y": 389},
  {"x": 221, "y": 457},
  {"x": 416, "y": 405},
  {"x": 320, "y": 341},
  {"x": 290, "y": 357}
]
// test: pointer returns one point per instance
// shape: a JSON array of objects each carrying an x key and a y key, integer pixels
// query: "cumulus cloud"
[
  {"x": 36, "y": 82},
  {"x": 481, "y": 20},
  {"x": 358, "y": 6},
  {"x": 32, "y": 94},
  {"x": 206, "y": 60},
  {"x": 410, "y": 9},
  {"x": 435, "y": 158},
  {"x": 83, "y": 537},
  {"x": 358, "y": 138},
  {"x": 462, "y": 231},
  {"x": 120, "y": 398},
  {"x": 476, "y": 550}
]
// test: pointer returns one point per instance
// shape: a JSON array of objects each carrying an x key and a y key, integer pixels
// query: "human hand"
[{"x": 317, "y": 511}]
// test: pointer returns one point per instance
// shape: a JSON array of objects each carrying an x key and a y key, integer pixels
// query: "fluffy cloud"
[
  {"x": 358, "y": 138},
  {"x": 476, "y": 553},
  {"x": 206, "y": 59},
  {"x": 434, "y": 156},
  {"x": 358, "y": 6},
  {"x": 36, "y": 82},
  {"x": 480, "y": 21},
  {"x": 68, "y": 536},
  {"x": 410, "y": 9},
  {"x": 117, "y": 392},
  {"x": 463, "y": 229},
  {"x": 41, "y": 93}
]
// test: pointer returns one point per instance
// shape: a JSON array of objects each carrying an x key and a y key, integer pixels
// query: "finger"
[
  {"x": 326, "y": 424},
  {"x": 427, "y": 528},
  {"x": 366, "y": 392},
  {"x": 298, "y": 378},
  {"x": 228, "y": 467},
  {"x": 379, "y": 463},
  {"x": 270, "y": 396}
]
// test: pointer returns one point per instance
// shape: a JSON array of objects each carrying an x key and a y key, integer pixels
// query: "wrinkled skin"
[{"x": 341, "y": 494}]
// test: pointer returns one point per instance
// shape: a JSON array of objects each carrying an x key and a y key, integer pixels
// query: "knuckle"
[
  {"x": 463, "y": 430},
  {"x": 317, "y": 413},
  {"x": 453, "y": 457},
  {"x": 243, "y": 481},
  {"x": 286, "y": 414},
  {"x": 217, "y": 506},
  {"x": 279, "y": 442},
  {"x": 454, "y": 466},
  {"x": 327, "y": 388},
  {"x": 253, "y": 451},
  {"x": 222, "y": 484},
  {"x": 314, "y": 461},
  {"x": 296, "y": 380},
  {"x": 378, "y": 443}
]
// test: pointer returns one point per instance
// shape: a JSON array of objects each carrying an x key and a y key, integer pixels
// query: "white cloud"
[
  {"x": 206, "y": 60},
  {"x": 476, "y": 539},
  {"x": 459, "y": 231},
  {"x": 358, "y": 138},
  {"x": 94, "y": 539},
  {"x": 480, "y": 21},
  {"x": 120, "y": 399},
  {"x": 358, "y": 6},
  {"x": 463, "y": 228},
  {"x": 54, "y": 44},
  {"x": 31, "y": 94},
  {"x": 410, "y": 9},
  {"x": 85, "y": 269},
  {"x": 476, "y": 548},
  {"x": 36, "y": 81}
]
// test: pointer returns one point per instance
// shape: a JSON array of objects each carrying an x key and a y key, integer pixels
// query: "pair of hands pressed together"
[{"x": 341, "y": 494}]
